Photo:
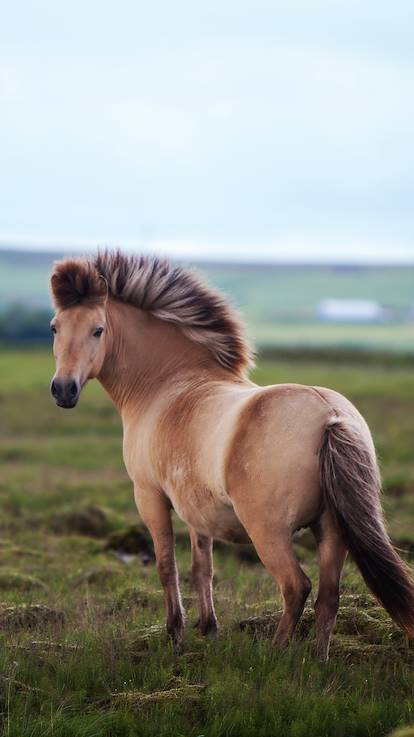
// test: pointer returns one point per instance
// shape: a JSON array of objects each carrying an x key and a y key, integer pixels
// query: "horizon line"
[{"x": 45, "y": 248}]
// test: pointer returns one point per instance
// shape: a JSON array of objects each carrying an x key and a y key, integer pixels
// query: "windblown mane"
[{"x": 171, "y": 293}]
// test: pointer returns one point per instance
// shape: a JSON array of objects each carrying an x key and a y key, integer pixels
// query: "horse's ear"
[{"x": 104, "y": 280}]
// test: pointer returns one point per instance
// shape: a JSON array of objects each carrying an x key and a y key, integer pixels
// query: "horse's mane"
[{"x": 172, "y": 293}]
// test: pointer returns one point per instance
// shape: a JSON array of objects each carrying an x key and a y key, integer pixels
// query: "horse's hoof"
[
  {"x": 322, "y": 656},
  {"x": 207, "y": 627},
  {"x": 281, "y": 642},
  {"x": 175, "y": 629}
]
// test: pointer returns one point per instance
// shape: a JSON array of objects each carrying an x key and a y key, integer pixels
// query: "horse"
[{"x": 236, "y": 461}]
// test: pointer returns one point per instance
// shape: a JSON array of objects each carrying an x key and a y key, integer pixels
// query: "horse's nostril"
[{"x": 64, "y": 391}]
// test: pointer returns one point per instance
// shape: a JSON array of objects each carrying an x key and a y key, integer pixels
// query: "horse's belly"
[{"x": 209, "y": 516}]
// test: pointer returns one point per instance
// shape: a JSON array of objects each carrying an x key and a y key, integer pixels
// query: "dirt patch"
[
  {"x": 29, "y": 616},
  {"x": 130, "y": 599},
  {"x": 261, "y": 626},
  {"x": 11, "y": 552},
  {"x": 139, "y": 640},
  {"x": 44, "y": 647},
  {"x": 358, "y": 648},
  {"x": 179, "y": 690},
  {"x": 92, "y": 521},
  {"x": 19, "y": 685},
  {"x": 369, "y": 624}
]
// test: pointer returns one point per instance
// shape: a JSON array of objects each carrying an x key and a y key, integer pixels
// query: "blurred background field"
[{"x": 353, "y": 307}]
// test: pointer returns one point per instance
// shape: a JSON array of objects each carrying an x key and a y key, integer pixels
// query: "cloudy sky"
[{"x": 229, "y": 128}]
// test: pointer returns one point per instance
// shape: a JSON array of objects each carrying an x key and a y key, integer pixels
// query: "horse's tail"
[{"x": 351, "y": 487}]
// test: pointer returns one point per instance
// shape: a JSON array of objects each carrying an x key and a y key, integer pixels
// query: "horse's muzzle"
[{"x": 65, "y": 392}]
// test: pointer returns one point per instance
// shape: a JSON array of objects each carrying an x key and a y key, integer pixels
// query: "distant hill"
[{"x": 279, "y": 301}]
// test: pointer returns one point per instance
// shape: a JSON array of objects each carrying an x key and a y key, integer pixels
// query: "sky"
[{"x": 226, "y": 129}]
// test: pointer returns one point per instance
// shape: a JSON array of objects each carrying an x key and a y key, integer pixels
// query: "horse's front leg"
[
  {"x": 202, "y": 579},
  {"x": 155, "y": 510}
]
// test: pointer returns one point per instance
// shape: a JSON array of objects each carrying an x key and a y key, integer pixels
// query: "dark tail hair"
[{"x": 351, "y": 486}]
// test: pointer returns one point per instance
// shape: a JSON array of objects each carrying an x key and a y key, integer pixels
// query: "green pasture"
[
  {"x": 83, "y": 651},
  {"x": 382, "y": 337}
]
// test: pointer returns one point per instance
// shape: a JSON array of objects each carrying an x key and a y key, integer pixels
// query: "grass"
[
  {"x": 82, "y": 646},
  {"x": 382, "y": 337}
]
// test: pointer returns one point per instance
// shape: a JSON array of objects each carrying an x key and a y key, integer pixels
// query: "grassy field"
[
  {"x": 383, "y": 338},
  {"x": 82, "y": 648}
]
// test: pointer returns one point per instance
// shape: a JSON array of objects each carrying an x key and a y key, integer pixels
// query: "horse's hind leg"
[
  {"x": 274, "y": 548},
  {"x": 202, "y": 578},
  {"x": 295, "y": 586},
  {"x": 331, "y": 554}
]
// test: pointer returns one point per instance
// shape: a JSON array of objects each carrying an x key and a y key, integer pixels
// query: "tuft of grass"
[{"x": 19, "y": 581}]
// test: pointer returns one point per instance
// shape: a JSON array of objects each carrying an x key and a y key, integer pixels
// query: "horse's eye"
[
  {"x": 97, "y": 333},
  {"x": 53, "y": 329}
]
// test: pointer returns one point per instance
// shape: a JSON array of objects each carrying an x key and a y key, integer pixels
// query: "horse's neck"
[{"x": 146, "y": 356}]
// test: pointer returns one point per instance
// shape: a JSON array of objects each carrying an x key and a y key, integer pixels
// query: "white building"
[{"x": 350, "y": 310}]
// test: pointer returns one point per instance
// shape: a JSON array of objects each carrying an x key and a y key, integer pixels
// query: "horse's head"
[{"x": 79, "y": 328}]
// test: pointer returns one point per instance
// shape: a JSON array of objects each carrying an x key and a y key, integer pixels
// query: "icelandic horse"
[{"x": 236, "y": 461}]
